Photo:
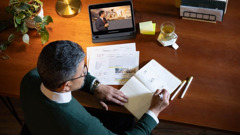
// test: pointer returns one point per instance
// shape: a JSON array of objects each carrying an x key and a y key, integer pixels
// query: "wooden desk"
[{"x": 209, "y": 52}]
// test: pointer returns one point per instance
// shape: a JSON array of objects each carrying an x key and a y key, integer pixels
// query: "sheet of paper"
[
  {"x": 113, "y": 68},
  {"x": 146, "y": 27},
  {"x": 154, "y": 76},
  {"x": 139, "y": 97},
  {"x": 151, "y": 32},
  {"x": 128, "y": 47}
]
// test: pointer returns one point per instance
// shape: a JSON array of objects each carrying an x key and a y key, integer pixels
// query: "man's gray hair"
[{"x": 58, "y": 62}]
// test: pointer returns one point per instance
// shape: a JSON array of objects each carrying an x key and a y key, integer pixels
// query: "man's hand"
[
  {"x": 108, "y": 93},
  {"x": 106, "y": 25},
  {"x": 159, "y": 104}
]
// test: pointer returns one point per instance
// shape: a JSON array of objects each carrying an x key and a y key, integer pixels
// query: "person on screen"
[
  {"x": 101, "y": 22},
  {"x": 50, "y": 109}
]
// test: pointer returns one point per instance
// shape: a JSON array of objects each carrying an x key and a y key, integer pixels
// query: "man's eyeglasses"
[{"x": 84, "y": 74}]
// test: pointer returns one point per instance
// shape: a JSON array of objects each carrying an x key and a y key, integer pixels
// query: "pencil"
[
  {"x": 185, "y": 90},
  {"x": 180, "y": 87}
]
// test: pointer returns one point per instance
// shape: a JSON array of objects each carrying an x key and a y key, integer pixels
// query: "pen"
[
  {"x": 160, "y": 95},
  {"x": 180, "y": 87},
  {"x": 189, "y": 82}
]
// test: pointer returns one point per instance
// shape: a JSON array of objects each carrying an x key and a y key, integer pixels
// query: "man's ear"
[{"x": 66, "y": 87}]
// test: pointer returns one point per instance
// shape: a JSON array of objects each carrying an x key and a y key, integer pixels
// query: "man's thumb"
[{"x": 105, "y": 107}]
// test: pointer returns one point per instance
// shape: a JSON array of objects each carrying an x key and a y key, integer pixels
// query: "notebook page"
[
  {"x": 139, "y": 97},
  {"x": 154, "y": 76}
]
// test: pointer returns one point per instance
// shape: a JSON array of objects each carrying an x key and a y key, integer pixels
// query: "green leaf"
[
  {"x": 37, "y": 19},
  {"x": 47, "y": 19},
  {"x": 24, "y": 28},
  {"x": 15, "y": 23},
  {"x": 39, "y": 2},
  {"x": 16, "y": 10},
  {"x": 36, "y": 7},
  {"x": 42, "y": 26},
  {"x": 25, "y": 38},
  {"x": 24, "y": 6},
  {"x": 12, "y": 2},
  {"x": 26, "y": 1},
  {"x": 44, "y": 36},
  {"x": 3, "y": 47},
  {"x": 18, "y": 20},
  {"x": 21, "y": 15},
  {"x": 5, "y": 57},
  {"x": 11, "y": 37}
]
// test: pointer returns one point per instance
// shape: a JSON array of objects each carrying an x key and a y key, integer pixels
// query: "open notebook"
[{"x": 144, "y": 83}]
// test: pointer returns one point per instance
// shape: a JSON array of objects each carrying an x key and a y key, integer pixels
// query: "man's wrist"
[
  {"x": 152, "y": 114},
  {"x": 94, "y": 85},
  {"x": 155, "y": 112}
]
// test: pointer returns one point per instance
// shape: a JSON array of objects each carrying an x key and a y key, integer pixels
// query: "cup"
[{"x": 168, "y": 31}]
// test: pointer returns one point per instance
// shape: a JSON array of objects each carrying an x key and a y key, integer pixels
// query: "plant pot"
[{"x": 30, "y": 21}]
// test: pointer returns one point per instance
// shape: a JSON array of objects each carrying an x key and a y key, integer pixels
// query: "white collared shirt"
[{"x": 65, "y": 97}]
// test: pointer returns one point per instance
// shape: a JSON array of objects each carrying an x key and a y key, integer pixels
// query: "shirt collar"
[{"x": 55, "y": 96}]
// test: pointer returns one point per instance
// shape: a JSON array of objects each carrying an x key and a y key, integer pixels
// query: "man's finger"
[
  {"x": 157, "y": 92},
  {"x": 120, "y": 98},
  {"x": 104, "y": 105},
  {"x": 114, "y": 100},
  {"x": 165, "y": 94},
  {"x": 120, "y": 93}
]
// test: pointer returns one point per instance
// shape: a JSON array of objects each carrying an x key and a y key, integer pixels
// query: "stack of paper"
[
  {"x": 113, "y": 64},
  {"x": 147, "y": 28}
]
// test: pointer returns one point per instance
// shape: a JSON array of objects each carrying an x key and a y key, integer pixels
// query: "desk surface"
[{"x": 209, "y": 52}]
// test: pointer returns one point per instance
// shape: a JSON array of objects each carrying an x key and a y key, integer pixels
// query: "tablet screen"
[{"x": 111, "y": 18}]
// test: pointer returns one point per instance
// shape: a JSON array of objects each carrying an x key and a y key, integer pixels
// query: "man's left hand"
[{"x": 108, "y": 93}]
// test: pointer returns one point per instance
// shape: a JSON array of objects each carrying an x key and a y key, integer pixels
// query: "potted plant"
[{"x": 27, "y": 14}]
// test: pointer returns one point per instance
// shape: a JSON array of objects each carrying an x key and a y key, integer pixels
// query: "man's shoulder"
[
  {"x": 31, "y": 79},
  {"x": 31, "y": 75}
]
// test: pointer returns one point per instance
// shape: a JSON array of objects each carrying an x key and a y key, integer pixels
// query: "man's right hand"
[
  {"x": 106, "y": 25},
  {"x": 159, "y": 104}
]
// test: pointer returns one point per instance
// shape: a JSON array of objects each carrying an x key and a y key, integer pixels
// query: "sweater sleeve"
[
  {"x": 144, "y": 126},
  {"x": 88, "y": 82}
]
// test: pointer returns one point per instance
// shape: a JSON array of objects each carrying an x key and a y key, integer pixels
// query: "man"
[
  {"x": 101, "y": 22},
  {"x": 50, "y": 109}
]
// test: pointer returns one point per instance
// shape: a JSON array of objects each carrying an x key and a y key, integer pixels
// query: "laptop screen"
[{"x": 111, "y": 18}]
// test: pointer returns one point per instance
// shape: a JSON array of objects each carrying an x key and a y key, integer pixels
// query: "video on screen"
[{"x": 111, "y": 18}]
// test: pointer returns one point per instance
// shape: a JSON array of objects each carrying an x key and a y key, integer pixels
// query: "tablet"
[{"x": 112, "y": 21}]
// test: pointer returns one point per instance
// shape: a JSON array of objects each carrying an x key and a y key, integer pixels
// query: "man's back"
[{"x": 44, "y": 116}]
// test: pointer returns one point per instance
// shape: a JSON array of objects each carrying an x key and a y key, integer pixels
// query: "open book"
[{"x": 141, "y": 87}]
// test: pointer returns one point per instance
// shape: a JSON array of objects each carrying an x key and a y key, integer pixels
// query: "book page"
[
  {"x": 139, "y": 97},
  {"x": 154, "y": 76}
]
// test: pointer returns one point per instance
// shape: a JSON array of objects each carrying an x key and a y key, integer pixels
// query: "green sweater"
[{"x": 46, "y": 117}]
